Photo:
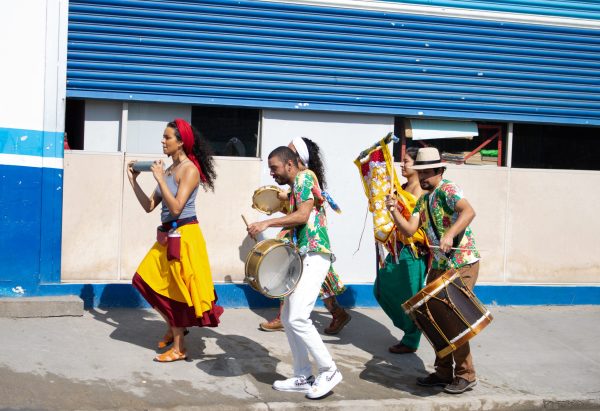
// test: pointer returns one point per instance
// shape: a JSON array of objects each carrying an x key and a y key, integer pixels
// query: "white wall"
[
  {"x": 341, "y": 138},
  {"x": 552, "y": 233},
  {"x": 33, "y": 50},
  {"x": 106, "y": 233},
  {"x": 532, "y": 226},
  {"x": 147, "y": 123},
  {"x": 102, "y": 126}
]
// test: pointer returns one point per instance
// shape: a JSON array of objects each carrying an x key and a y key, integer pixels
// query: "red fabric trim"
[
  {"x": 376, "y": 155},
  {"x": 179, "y": 314}
]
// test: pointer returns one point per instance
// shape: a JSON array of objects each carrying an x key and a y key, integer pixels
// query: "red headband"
[{"x": 187, "y": 137}]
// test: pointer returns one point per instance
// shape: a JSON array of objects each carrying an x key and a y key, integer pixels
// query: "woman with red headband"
[{"x": 175, "y": 276}]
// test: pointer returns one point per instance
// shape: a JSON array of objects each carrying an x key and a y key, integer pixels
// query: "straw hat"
[{"x": 428, "y": 157}]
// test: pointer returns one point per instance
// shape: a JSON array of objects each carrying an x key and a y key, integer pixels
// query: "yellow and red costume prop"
[{"x": 376, "y": 168}]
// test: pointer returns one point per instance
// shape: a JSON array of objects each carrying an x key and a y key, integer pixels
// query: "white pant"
[{"x": 302, "y": 335}]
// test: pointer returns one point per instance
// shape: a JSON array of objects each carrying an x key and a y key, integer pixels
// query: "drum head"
[
  {"x": 279, "y": 271},
  {"x": 265, "y": 200}
]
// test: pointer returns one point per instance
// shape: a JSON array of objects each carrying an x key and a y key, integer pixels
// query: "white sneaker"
[
  {"x": 324, "y": 383},
  {"x": 294, "y": 384}
]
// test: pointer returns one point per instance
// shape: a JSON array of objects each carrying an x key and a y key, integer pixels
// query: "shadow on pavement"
[
  {"x": 241, "y": 355},
  {"x": 396, "y": 371}
]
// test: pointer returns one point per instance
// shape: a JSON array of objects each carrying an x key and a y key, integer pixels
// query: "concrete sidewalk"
[{"x": 528, "y": 358}]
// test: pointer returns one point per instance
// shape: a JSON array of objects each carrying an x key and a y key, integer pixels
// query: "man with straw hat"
[{"x": 445, "y": 216}]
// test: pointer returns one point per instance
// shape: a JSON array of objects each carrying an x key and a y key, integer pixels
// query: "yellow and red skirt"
[{"x": 181, "y": 289}]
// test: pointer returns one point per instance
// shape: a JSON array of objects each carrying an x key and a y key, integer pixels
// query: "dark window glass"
[
  {"x": 74, "y": 123},
  {"x": 556, "y": 147},
  {"x": 230, "y": 131}
]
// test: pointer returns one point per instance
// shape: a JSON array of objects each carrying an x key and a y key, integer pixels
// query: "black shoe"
[
  {"x": 433, "y": 380},
  {"x": 459, "y": 385},
  {"x": 401, "y": 349}
]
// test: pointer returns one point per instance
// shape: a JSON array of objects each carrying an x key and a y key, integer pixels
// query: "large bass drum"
[
  {"x": 447, "y": 312},
  {"x": 273, "y": 268}
]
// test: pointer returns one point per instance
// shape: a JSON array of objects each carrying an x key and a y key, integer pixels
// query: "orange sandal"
[
  {"x": 168, "y": 340},
  {"x": 170, "y": 356}
]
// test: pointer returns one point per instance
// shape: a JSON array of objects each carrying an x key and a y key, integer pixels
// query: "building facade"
[{"x": 252, "y": 75}]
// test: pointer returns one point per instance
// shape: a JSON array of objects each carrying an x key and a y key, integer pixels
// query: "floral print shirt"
[
  {"x": 442, "y": 203},
  {"x": 312, "y": 236}
]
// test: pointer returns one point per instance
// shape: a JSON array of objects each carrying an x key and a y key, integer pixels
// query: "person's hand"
[
  {"x": 446, "y": 243},
  {"x": 282, "y": 195},
  {"x": 158, "y": 170},
  {"x": 390, "y": 202},
  {"x": 256, "y": 228},
  {"x": 131, "y": 173}
]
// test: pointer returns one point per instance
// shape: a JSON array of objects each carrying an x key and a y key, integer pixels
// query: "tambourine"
[{"x": 265, "y": 199}]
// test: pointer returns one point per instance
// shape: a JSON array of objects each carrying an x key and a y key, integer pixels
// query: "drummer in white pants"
[{"x": 309, "y": 233}]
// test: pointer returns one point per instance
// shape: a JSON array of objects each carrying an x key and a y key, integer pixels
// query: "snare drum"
[
  {"x": 266, "y": 201},
  {"x": 273, "y": 268},
  {"x": 447, "y": 312}
]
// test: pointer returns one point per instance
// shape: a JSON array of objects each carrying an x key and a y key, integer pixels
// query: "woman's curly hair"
[
  {"x": 315, "y": 162},
  {"x": 203, "y": 153},
  {"x": 412, "y": 152}
]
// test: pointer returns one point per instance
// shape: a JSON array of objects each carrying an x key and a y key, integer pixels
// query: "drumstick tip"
[{"x": 245, "y": 221}]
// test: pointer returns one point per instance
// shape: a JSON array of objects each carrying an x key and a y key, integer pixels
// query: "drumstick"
[
  {"x": 246, "y": 222},
  {"x": 459, "y": 248}
]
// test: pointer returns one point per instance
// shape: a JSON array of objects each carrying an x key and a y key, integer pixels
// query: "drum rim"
[
  {"x": 424, "y": 294},
  {"x": 274, "y": 244},
  {"x": 469, "y": 333}
]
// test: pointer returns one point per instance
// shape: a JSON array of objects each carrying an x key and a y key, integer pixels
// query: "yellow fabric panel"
[
  {"x": 378, "y": 188},
  {"x": 188, "y": 280}
]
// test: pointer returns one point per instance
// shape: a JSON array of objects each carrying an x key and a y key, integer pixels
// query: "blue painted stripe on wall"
[
  {"x": 51, "y": 217},
  {"x": 31, "y": 142},
  {"x": 31, "y": 225},
  {"x": 357, "y": 295},
  {"x": 20, "y": 225}
]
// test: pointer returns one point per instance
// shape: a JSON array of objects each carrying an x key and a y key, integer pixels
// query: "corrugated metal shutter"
[
  {"x": 263, "y": 54},
  {"x": 583, "y": 9}
]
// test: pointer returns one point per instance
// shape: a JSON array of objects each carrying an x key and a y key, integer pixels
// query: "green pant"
[{"x": 396, "y": 283}]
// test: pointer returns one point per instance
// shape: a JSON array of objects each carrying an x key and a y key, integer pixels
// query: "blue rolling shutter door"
[
  {"x": 583, "y": 9},
  {"x": 263, "y": 54}
]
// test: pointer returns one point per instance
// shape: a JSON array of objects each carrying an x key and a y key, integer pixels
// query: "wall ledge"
[{"x": 235, "y": 295}]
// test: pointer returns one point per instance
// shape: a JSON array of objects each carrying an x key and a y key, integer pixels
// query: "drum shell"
[
  {"x": 254, "y": 260},
  {"x": 448, "y": 313}
]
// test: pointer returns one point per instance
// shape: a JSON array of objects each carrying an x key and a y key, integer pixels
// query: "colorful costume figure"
[{"x": 402, "y": 273}]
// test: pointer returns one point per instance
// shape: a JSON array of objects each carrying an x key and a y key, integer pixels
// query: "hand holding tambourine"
[{"x": 269, "y": 200}]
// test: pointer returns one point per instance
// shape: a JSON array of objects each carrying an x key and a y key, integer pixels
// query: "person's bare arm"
[
  {"x": 406, "y": 227},
  {"x": 466, "y": 214},
  {"x": 298, "y": 217},
  {"x": 148, "y": 203}
]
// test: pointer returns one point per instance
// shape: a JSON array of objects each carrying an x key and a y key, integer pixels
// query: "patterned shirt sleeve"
[
  {"x": 452, "y": 194},
  {"x": 303, "y": 188}
]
